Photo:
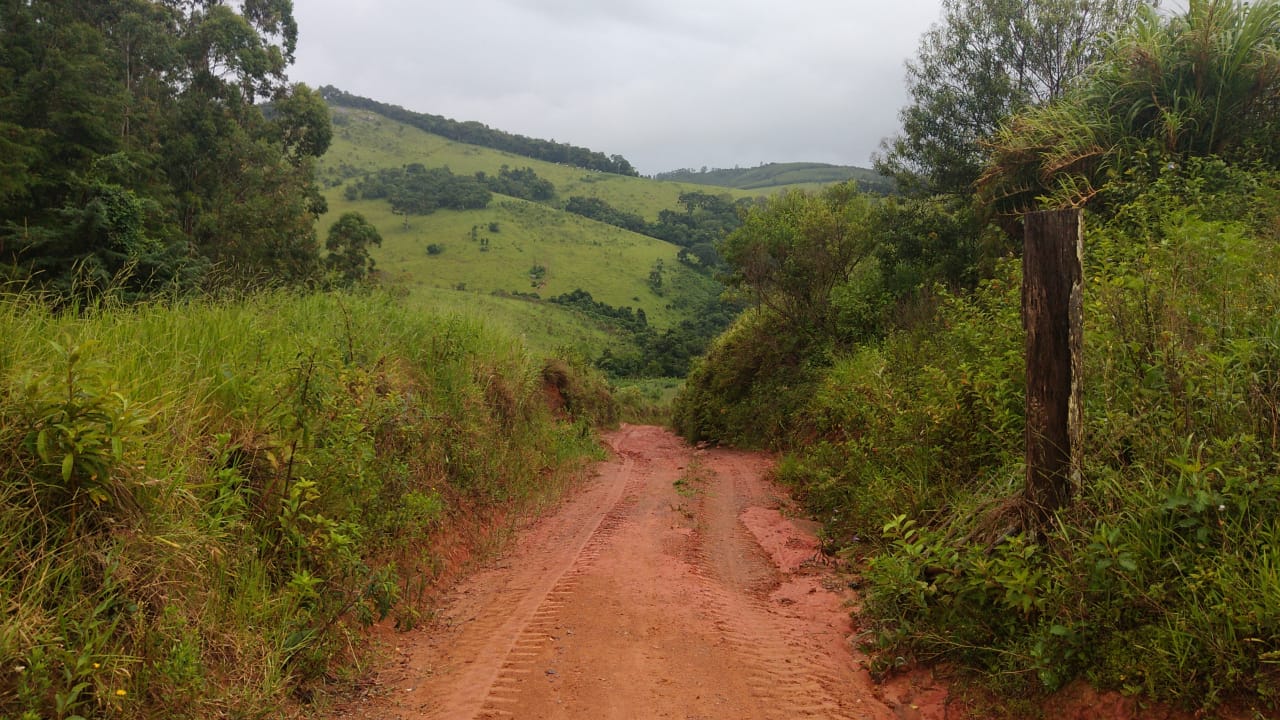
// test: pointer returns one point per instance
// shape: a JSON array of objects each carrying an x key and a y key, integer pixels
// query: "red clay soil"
[
  {"x": 672, "y": 585},
  {"x": 676, "y": 583}
]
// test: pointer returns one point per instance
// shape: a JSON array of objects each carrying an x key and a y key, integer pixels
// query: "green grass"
[
  {"x": 610, "y": 263},
  {"x": 203, "y": 502},
  {"x": 478, "y": 276}
]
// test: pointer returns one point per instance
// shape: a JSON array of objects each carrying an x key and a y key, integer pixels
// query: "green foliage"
[
  {"x": 522, "y": 183},
  {"x": 1156, "y": 581},
  {"x": 581, "y": 300},
  {"x": 705, "y": 221},
  {"x": 136, "y": 158},
  {"x": 583, "y": 394},
  {"x": 1202, "y": 83},
  {"x": 645, "y": 401},
  {"x": 349, "y": 241},
  {"x": 601, "y": 210},
  {"x": 416, "y": 190},
  {"x": 203, "y": 503},
  {"x": 984, "y": 61},
  {"x": 75, "y": 434},
  {"x": 793, "y": 251},
  {"x": 750, "y": 384}
]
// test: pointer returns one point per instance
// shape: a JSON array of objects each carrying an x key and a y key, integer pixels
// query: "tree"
[
  {"x": 793, "y": 250},
  {"x": 984, "y": 61},
  {"x": 302, "y": 121},
  {"x": 348, "y": 244},
  {"x": 131, "y": 142}
]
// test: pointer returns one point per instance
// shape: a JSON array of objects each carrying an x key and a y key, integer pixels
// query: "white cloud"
[{"x": 667, "y": 83}]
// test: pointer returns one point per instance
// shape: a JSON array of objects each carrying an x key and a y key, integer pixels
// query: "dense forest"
[
  {"x": 474, "y": 133},
  {"x": 151, "y": 146},
  {"x": 884, "y": 354}
]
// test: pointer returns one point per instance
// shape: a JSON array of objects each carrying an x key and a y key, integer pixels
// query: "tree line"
[
  {"x": 150, "y": 145},
  {"x": 696, "y": 227},
  {"x": 475, "y": 133}
]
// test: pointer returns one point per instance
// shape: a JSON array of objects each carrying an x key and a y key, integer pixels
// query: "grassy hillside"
[
  {"x": 203, "y": 502},
  {"x": 777, "y": 176},
  {"x": 492, "y": 261},
  {"x": 364, "y": 141},
  {"x": 610, "y": 263}
]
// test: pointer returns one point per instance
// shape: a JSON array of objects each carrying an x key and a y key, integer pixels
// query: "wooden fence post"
[{"x": 1052, "y": 309}]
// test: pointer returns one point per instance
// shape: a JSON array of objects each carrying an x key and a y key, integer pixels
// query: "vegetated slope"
[
  {"x": 480, "y": 259},
  {"x": 201, "y": 501},
  {"x": 775, "y": 176},
  {"x": 476, "y": 133},
  {"x": 364, "y": 141}
]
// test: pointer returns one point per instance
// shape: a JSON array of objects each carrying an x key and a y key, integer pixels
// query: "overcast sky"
[{"x": 665, "y": 83}]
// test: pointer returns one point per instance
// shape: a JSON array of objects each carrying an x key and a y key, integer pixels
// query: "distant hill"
[
  {"x": 507, "y": 261},
  {"x": 475, "y": 133},
  {"x": 775, "y": 175}
]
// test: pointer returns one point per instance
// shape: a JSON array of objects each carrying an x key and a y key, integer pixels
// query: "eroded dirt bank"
[{"x": 674, "y": 584}]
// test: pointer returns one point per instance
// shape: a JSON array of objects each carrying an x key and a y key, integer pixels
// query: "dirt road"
[{"x": 673, "y": 585}]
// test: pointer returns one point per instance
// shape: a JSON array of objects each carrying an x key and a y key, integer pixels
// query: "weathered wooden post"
[{"x": 1052, "y": 309}]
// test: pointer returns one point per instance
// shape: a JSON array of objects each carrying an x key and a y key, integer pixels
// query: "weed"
[{"x": 201, "y": 501}]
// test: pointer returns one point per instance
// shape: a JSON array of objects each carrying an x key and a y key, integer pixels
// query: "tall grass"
[{"x": 202, "y": 502}]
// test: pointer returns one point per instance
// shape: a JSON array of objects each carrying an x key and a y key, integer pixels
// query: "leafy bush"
[
  {"x": 751, "y": 383},
  {"x": 1161, "y": 579}
]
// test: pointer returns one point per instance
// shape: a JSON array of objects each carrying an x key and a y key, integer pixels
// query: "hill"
[
  {"x": 507, "y": 260},
  {"x": 476, "y": 133},
  {"x": 775, "y": 176}
]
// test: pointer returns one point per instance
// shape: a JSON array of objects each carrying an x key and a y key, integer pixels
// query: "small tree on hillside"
[{"x": 348, "y": 245}]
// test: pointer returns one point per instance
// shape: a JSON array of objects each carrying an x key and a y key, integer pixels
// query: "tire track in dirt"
[
  {"x": 496, "y": 639},
  {"x": 671, "y": 586},
  {"x": 536, "y": 633},
  {"x": 778, "y": 657}
]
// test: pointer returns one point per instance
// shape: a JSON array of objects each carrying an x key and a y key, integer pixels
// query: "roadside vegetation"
[
  {"x": 222, "y": 454},
  {"x": 204, "y": 502},
  {"x": 893, "y": 380}
]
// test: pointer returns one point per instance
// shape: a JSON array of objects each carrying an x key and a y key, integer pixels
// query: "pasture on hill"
[{"x": 503, "y": 262}]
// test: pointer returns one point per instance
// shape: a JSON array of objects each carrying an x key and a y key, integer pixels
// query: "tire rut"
[
  {"x": 662, "y": 589},
  {"x": 502, "y": 643},
  {"x": 780, "y": 673}
]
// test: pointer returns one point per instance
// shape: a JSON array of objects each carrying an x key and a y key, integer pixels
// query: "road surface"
[{"x": 674, "y": 584}]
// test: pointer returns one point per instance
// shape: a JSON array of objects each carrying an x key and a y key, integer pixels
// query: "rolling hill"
[
  {"x": 776, "y": 176},
  {"x": 505, "y": 261}
]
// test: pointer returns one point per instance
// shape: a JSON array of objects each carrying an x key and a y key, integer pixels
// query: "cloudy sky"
[{"x": 666, "y": 83}]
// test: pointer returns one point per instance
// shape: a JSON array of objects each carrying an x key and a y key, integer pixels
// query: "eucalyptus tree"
[{"x": 133, "y": 143}]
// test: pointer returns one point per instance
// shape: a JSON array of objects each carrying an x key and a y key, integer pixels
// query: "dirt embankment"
[{"x": 675, "y": 584}]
